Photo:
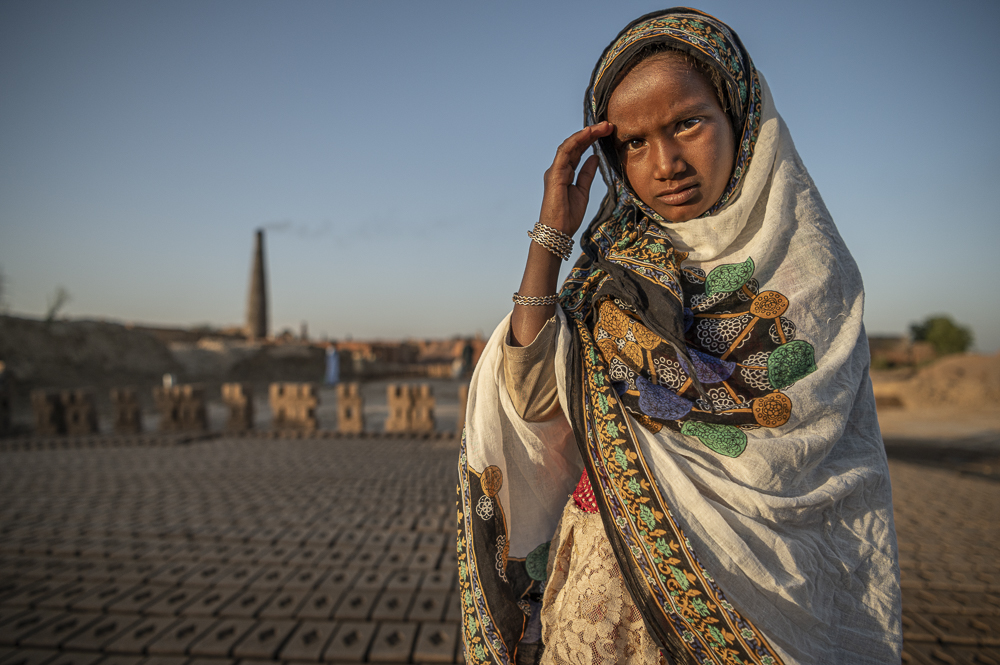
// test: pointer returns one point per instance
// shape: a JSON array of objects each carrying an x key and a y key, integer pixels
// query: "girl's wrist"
[{"x": 555, "y": 241}]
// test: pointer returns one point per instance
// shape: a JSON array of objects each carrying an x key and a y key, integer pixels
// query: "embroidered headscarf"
[{"x": 708, "y": 41}]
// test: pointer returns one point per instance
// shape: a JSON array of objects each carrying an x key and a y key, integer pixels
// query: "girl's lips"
[{"x": 680, "y": 197}]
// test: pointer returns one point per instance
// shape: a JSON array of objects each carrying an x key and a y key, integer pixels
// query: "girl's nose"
[{"x": 668, "y": 162}]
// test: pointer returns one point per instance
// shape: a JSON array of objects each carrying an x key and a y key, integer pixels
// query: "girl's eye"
[
  {"x": 633, "y": 144},
  {"x": 690, "y": 123}
]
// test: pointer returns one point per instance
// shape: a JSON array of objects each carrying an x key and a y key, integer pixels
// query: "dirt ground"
[{"x": 946, "y": 414}]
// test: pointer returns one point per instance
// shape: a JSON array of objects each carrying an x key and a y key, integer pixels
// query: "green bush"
[{"x": 943, "y": 334}]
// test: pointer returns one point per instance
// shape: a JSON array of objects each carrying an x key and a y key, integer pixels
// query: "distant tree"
[
  {"x": 943, "y": 334},
  {"x": 57, "y": 301},
  {"x": 3, "y": 291}
]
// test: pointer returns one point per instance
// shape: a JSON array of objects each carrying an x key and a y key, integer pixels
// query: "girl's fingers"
[
  {"x": 572, "y": 149},
  {"x": 587, "y": 173}
]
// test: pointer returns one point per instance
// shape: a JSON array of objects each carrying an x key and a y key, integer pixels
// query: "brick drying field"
[{"x": 241, "y": 551}]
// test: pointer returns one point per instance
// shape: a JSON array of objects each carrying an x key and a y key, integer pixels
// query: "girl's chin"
[{"x": 680, "y": 214}]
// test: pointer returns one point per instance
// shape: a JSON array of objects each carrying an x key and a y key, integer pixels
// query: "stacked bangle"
[
  {"x": 534, "y": 301},
  {"x": 555, "y": 241}
]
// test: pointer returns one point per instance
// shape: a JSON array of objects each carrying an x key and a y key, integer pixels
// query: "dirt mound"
[
  {"x": 75, "y": 354},
  {"x": 971, "y": 381},
  {"x": 968, "y": 381},
  {"x": 214, "y": 360},
  {"x": 70, "y": 354}
]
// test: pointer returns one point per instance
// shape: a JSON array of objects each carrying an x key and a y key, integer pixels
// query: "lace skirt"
[{"x": 588, "y": 617}]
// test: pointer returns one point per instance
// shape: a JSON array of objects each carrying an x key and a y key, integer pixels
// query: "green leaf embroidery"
[
  {"x": 790, "y": 362},
  {"x": 621, "y": 458},
  {"x": 724, "y": 439},
  {"x": 700, "y": 607},
  {"x": 681, "y": 578},
  {"x": 647, "y": 517},
  {"x": 728, "y": 277}
]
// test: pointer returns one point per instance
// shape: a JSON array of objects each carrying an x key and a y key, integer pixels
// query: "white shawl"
[{"x": 798, "y": 530}]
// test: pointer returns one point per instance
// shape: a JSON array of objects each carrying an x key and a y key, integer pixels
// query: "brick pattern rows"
[
  {"x": 949, "y": 549},
  {"x": 244, "y": 551},
  {"x": 229, "y": 550}
]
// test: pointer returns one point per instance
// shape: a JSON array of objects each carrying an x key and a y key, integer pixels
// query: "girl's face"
[{"x": 674, "y": 141}]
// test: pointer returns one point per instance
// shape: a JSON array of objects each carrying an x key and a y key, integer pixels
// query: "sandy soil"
[
  {"x": 940, "y": 424},
  {"x": 956, "y": 398}
]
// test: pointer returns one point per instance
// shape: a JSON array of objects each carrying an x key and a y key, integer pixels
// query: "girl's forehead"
[
  {"x": 662, "y": 81},
  {"x": 660, "y": 64}
]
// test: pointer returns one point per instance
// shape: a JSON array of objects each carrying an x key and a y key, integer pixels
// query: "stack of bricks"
[
  {"x": 411, "y": 409},
  {"x": 400, "y": 400},
  {"x": 423, "y": 410},
  {"x": 50, "y": 419},
  {"x": 239, "y": 398},
  {"x": 81, "y": 416},
  {"x": 182, "y": 408},
  {"x": 294, "y": 406},
  {"x": 350, "y": 409},
  {"x": 127, "y": 413}
]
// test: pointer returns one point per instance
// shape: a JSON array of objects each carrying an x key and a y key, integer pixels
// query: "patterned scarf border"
[
  {"x": 483, "y": 641},
  {"x": 709, "y": 628},
  {"x": 493, "y": 587}
]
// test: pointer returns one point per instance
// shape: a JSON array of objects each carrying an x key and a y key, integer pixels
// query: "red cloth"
[{"x": 583, "y": 495}]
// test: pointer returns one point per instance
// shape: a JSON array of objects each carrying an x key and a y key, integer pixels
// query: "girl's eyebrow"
[
  {"x": 623, "y": 137},
  {"x": 695, "y": 108}
]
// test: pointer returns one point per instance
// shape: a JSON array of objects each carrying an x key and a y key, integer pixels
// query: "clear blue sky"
[{"x": 396, "y": 151}]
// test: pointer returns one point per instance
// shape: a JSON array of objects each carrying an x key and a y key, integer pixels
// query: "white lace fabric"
[{"x": 588, "y": 617}]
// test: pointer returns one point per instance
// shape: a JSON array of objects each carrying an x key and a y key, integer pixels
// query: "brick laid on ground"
[
  {"x": 137, "y": 637},
  {"x": 308, "y": 641},
  {"x": 350, "y": 642},
  {"x": 393, "y": 642},
  {"x": 31, "y": 657},
  {"x": 176, "y": 639},
  {"x": 436, "y": 643}
]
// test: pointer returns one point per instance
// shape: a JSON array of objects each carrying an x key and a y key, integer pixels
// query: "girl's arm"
[{"x": 563, "y": 205}]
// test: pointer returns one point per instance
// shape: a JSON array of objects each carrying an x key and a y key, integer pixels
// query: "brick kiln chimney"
[{"x": 257, "y": 305}]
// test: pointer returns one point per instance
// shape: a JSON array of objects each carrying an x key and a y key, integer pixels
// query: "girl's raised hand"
[{"x": 564, "y": 202}]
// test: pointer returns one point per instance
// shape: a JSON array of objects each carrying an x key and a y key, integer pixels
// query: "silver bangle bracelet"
[
  {"x": 535, "y": 301},
  {"x": 553, "y": 240}
]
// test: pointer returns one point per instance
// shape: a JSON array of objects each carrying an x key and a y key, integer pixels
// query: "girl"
[{"x": 701, "y": 379}]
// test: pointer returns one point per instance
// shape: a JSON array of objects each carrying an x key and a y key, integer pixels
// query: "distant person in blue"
[{"x": 332, "y": 365}]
